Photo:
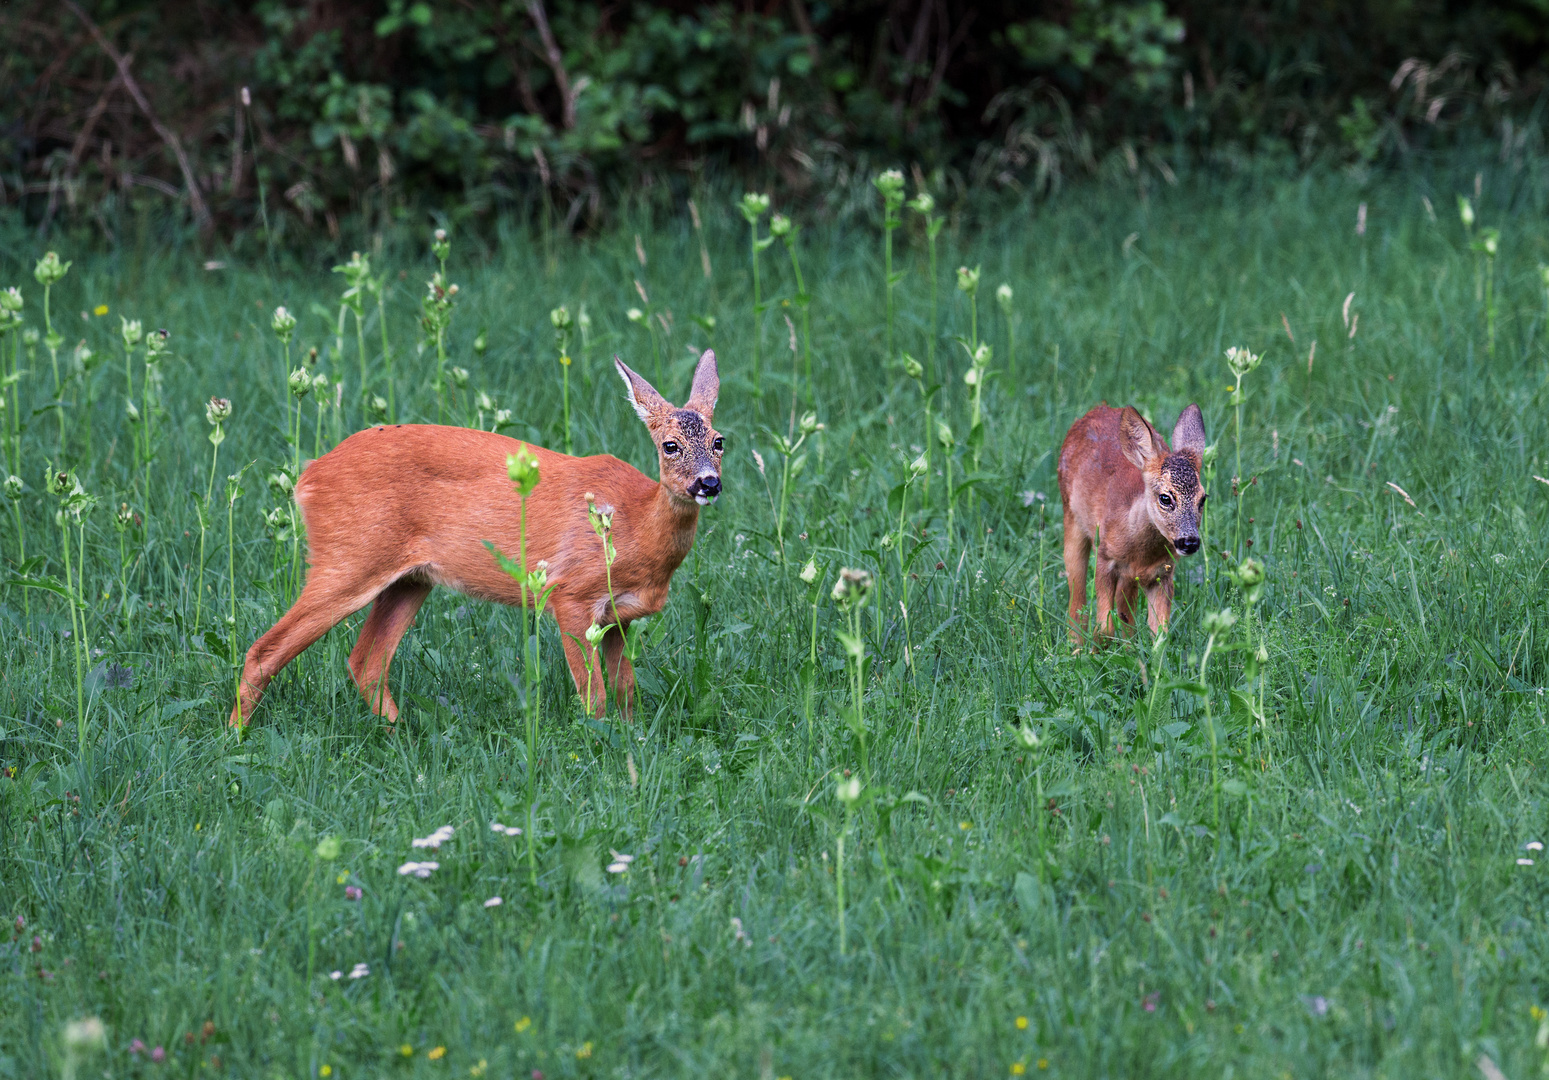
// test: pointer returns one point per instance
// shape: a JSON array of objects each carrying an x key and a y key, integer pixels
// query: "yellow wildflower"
[
  {"x": 326, "y": 1070},
  {"x": 1017, "y": 1068},
  {"x": 585, "y": 1051},
  {"x": 406, "y": 1050},
  {"x": 1043, "y": 1063},
  {"x": 523, "y": 1024},
  {"x": 437, "y": 1054},
  {"x": 100, "y": 310},
  {"x": 1021, "y": 1023}
]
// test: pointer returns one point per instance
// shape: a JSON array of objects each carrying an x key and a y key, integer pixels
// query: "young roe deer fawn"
[
  {"x": 1140, "y": 502},
  {"x": 392, "y": 511}
]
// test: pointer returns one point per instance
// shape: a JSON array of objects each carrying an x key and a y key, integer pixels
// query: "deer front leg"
[
  {"x": 581, "y": 655},
  {"x": 1107, "y": 582},
  {"x": 621, "y": 673},
  {"x": 1159, "y": 603}
]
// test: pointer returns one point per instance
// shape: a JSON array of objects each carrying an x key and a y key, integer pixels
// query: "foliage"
[{"x": 379, "y": 108}]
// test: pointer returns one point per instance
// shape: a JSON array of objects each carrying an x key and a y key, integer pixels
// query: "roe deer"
[
  {"x": 392, "y": 511},
  {"x": 1138, "y": 501}
]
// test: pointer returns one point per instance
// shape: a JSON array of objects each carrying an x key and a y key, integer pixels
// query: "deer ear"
[
  {"x": 707, "y": 385},
  {"x": 1189, "y": 435},
  {"x": 648, "y": 404},
  {"x": 1138, "y": 440}
]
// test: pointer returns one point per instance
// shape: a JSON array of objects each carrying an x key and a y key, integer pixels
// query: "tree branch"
[
  {"x": 195, "y": 198},
  {"x": 554, "y": 58}
]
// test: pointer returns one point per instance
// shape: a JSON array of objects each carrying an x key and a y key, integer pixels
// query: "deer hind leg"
[
  {"x": 392, "y": 614},
  {"x": 1078, "y": 549},
  {"x": 621, "y": 673},
  {"x": 320, "y": 607},
  {"x": 573, "y": 622}
]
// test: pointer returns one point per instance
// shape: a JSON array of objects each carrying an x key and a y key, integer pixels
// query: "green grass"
[{"x": 1359, "y": 910}]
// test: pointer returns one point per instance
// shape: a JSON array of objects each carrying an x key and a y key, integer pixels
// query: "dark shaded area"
[{"x": 567, "y": 110}]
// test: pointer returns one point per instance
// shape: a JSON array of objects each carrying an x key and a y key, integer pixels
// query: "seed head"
[
  {"x": 283, "y": 324},
  {"x": 1003, "y": 297},
  {"x": 982, "y": 354},
  {"x": 922, "y": 203},
  {"x": 60, "y": 483},
  {"x": 809, "y": 423},
  {"x": 891, "y": 184},
  {"x": 847, "y": 791},
  {"x": 11, "y": 300},
  {"x": 754, "y": 206},
  {"x": 13, "y": 486},
  {"x": 485, "y": 402},
  {"x": 1465, "y": 212},
  {"x": 522, "y": 468},
  {"x": 944, "y": 434},
  {"x": 853, "y": 586},
  {"x": 440, "y": 236},
  {"x": 300, "y": 383},
  {"x": 918, "y": 466},
  {"x": 809, "y": 573},
  {"x": 1028, "y": 736},
  {"x": 131, "y": 331},
  {"x": 1242, "y": 361},
  {"x": 49, "y": 270},
  {"x": 218, "y": 411},
  {"x": 560, "y": 317},
  {"x": 595, "y": 634},
  {"x": 1217, "y": 623},
  {"x": 635, "y": 315},
  {"x": 459, "y": 377},
  {"x": 912, "y": 367},
  {"x": 968, "y": 280},
  {"x": 779, "y": 225}
]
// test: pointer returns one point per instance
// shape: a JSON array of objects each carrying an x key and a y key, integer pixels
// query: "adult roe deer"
[
  {"x": 1140, "y": 502},
  {"x": 393, "y": 511}
]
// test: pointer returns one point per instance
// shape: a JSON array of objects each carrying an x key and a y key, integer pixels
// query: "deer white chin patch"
[{"x": 703, "y": 500}]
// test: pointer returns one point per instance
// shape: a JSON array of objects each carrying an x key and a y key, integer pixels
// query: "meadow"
[{"x": 901, "y": 830}]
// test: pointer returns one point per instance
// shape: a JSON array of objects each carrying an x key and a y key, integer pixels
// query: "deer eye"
[
  {"x": 669, "y": 447},
  {"x": 1166, "y": 500},
  {"x": 718, "y": 445}
]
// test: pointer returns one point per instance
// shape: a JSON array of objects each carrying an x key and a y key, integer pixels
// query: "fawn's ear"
[
  {"x": 1141, "y": 444},
  {"x": 648, "y": 404},
  {"x": 1189, "y": 435},
  {"x": 707, "y": 385}
]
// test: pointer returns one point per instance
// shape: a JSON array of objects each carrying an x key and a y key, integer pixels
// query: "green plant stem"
[
  {"x": 360, "y": 345},
  {"x": 564, "y": 363},
  {"x": 77, "y": 635},
  {"x": 758, "y": 312},
  {"x": 839, "y": 877},
  {"x": 812, "y": 676},
  {"x": 387, "y": 352},
  {"x": 804, "y": 302},
  {"x": 532, "y": 718}
]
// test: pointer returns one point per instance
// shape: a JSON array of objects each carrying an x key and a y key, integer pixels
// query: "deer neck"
[{"x": 675, "y": 522}]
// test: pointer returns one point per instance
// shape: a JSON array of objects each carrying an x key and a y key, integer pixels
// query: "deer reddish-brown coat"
[
  {"x": 392, "y": 511},
  {"x": 1138, "y": 502}
]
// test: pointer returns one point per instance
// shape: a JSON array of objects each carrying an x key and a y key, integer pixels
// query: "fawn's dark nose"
[
  {"x": 705, "y": 487},
  {"x": 1186, "y": 545}
]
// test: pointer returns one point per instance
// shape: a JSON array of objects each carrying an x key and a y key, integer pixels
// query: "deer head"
[
  {"x": 1174, "y": 499},
  {"x": 688, "y": 447}
]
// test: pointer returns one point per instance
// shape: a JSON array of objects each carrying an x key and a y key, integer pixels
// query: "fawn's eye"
[
  {"x": 1166, "y": 500},
  {"x": 718, "y": 445},
  {"x": 669, "y": 447}
]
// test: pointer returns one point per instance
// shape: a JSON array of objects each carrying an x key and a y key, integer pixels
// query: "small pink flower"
[
  {"x": 1151, "y": 1000},
  {"x": 21, "y": 924},
  {"x": 136, "y": 1047},
  {"x": 158, "y": 1055},
  {"x": 352, "y": 892}
]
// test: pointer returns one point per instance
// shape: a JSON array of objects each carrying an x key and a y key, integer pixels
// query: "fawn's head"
[
  {"x": 688, "y": 447},
  {"x": 1174, "y": 498}
]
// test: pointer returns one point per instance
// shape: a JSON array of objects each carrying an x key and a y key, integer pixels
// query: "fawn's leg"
[
  {"x": 1107, "y": 585},
  {"x": 573, "y": 622},
  {"x": 1078, "y": 548},
  {"x": 1159, "y": 603},
  {"x": 621, "y": 673},
  {"x": 321, "y": 606},
  {"x": 392, "y": 613},
  {"x": 1125, "y": 594}
]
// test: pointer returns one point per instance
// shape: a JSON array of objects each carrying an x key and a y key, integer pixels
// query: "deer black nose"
[
  {"x": 1186, "y": 545},
  {"x": 707, "y": 487}
]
